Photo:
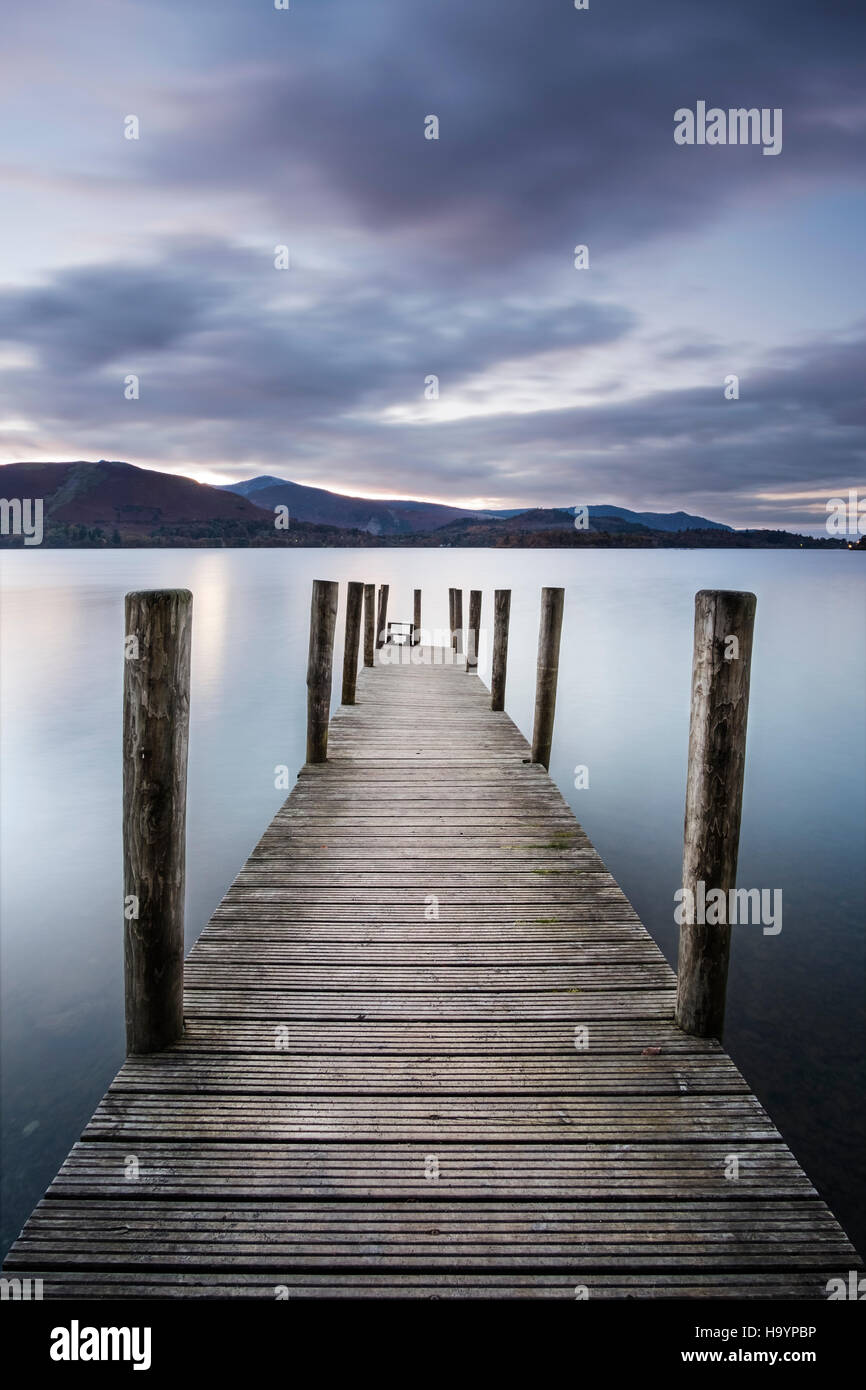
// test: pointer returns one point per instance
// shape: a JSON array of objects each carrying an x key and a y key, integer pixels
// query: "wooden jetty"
[{"x": 429, "y": 1049}]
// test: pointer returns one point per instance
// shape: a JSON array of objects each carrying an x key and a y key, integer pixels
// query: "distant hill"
[
  {"x": 400, "y": 517},
  {"x": 403, "y": 516},
  {"x": 558, "y": 519},
  {"x": 252, "y": 485},
  {"x": 607, "y": 516},
  {"x": 109, "y": 494},
  {"x": 128, "y": 504},
  {"x": 536, "y": 531},
  {"x": 660, "y": 521}
]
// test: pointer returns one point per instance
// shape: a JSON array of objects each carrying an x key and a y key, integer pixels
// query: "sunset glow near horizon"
[{"x": 411, "y": 259}]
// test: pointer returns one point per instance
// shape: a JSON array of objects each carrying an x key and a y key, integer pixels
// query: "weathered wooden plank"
[
  {"x": 279, "y": 1172},
  {"x": 414, "y": 954},
  {"x": 281, "y": 1074},
  {"x": 65, "y": 1284},
  {"x": 204, "y": 973},
  {"x": 591, "y": 928},
  {"x": 269, "y": 905},
  {"x": 409, "y": 1235},
  {"x": 431, "y": 1037},
  {"x": 544, "y": 894},
  {"x": 434, "y": 1117},
  {"x": 349, "y": 850},
  {"x": 575, "y": 1005}
]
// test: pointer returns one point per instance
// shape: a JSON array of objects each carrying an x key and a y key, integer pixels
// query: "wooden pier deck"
[{"x": 382, "y": 1088}]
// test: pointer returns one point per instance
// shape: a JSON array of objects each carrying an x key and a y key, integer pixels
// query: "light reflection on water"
[{"x": 795, "y": 1003}]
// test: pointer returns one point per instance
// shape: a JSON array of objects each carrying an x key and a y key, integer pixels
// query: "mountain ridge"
[
  {"x": 399, "y": 515},
  {"x": 110, "y": 503}
]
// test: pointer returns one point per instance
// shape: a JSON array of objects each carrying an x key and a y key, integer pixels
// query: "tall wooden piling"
[
  {"x": 382, "y": 620},
  {"x": 354, "y": 603},
  {"x": 724, "y": 624},
  {"x": 458, "y": 621},
  {"x": 501, "y": 616},
  {"x": 323, "y": 620},
  {"x": 416, "y": 618},
  {"x": 474, "y": 633},
  {"x": 547, "y": 672},
  {"x": 451, "y": 617},
  {"x": 369, "y": 624},
  {"x": 156, "y": 688}
]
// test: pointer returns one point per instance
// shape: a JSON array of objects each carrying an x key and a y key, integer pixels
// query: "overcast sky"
[{"x": 453, "y": 257}]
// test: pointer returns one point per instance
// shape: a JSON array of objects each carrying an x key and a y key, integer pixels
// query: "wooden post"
[
  {"x": 458, "y": 621},
  {"x": 369, "y": 624},
  {"x": 547, "y": 671},
  {"x": 155, "y": 741},
  {"x": 382, "y": 622},
  {"x": 724, "y": 623},
  {"x": 323, "y": 620},
  {"x": 353, "y": 637},
  {"x": 472, "y": 635},
  {"x": 501, "y": 615},
  {"x": 416, "y": 618},
  {"x": 451, "y": 617}
]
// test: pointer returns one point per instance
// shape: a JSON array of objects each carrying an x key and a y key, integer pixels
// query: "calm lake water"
[{"x": 795, "y": 1002}]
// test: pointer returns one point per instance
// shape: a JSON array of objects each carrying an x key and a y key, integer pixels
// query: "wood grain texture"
[
  {"x": 156, "y": 690},
  {"x": 473, "y": 634},
  {"x": 501, "y": 618},
  {"x": 323, "y": 620},
  {"x": 354, "y": 604},
  {"x": 382, "y": 619},
  {"x": 724, "y": 625},
  {"x": 369, "y": 624},
  {"x": 547, "y": 674},
  {"x": 429, "y": 1051}
]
